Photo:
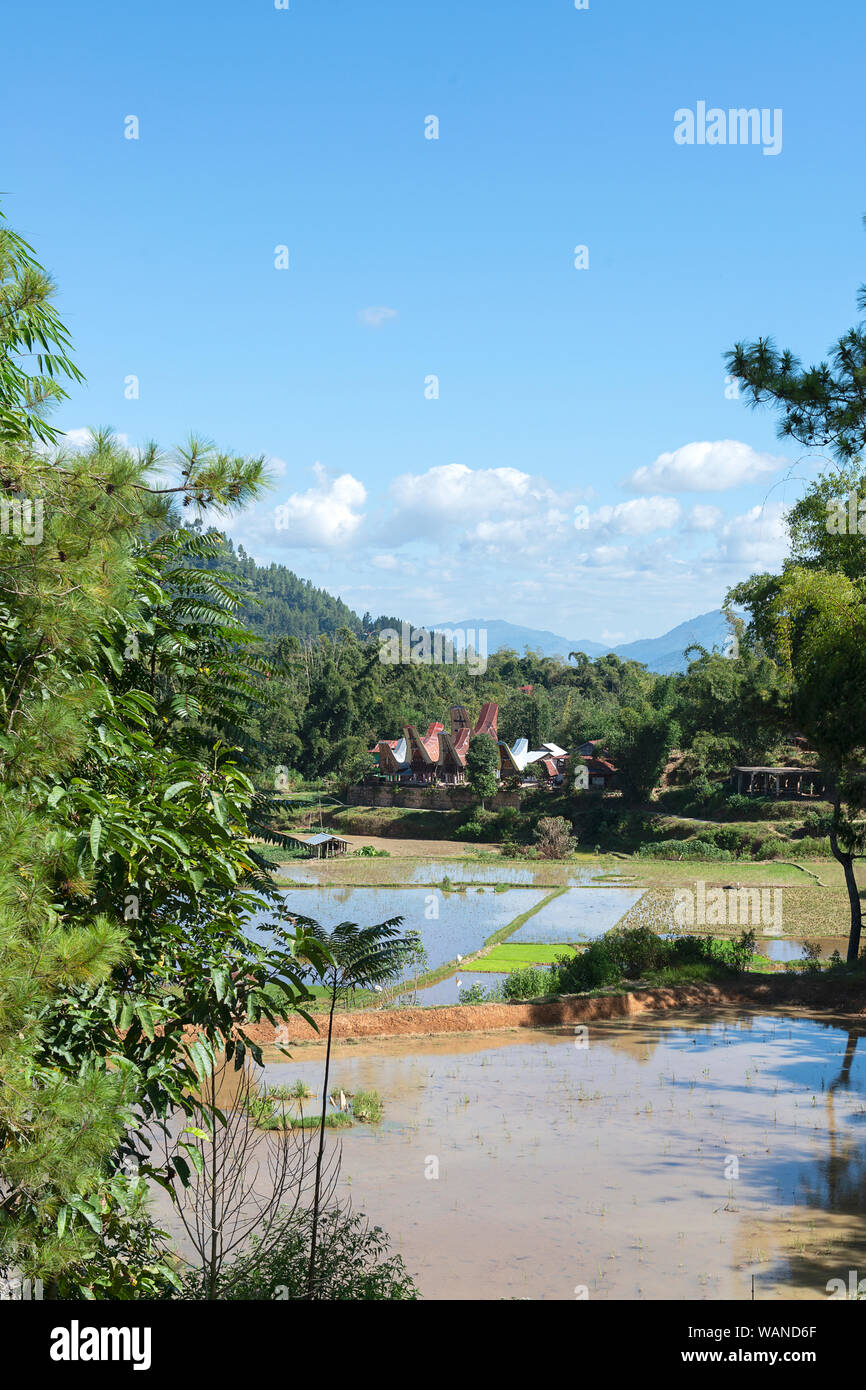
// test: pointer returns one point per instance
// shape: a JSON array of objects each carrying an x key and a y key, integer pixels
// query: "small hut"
[{"x": 322, "y": 846}]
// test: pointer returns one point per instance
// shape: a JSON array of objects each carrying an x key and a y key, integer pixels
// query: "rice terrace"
[{"x": 433, "y": 681}]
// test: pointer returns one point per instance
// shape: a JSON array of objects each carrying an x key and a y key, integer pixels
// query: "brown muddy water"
[{"x": 667, "y": 1158}]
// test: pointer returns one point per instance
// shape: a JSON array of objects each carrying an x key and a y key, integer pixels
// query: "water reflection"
[{"x": 610, "y": 1164}]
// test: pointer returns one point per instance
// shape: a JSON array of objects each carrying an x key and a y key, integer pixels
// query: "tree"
[
  {"x": 249, "y": 1186},
  {"x": 126, "y": 875},
  {"x": 821, "y": 629},
  {"x": 640, "y": 740},
  {"x": 482, "y": 760},
  {"x": 31, "y": 335},
  {"x": 415, "y": 957},
  {"x": 812, "y": 617},
  {"x": 729, "y": 709},
  {"x": 348, "y": 958},
  {"x": 525, "y": 716},
  {"x": 822, "y": 406}
]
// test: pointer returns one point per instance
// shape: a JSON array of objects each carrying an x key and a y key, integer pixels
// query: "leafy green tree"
[
  {"x": 730, "y": 709},
  {"x": 482, "y": 761},
  {"x": 129, "y": 880},
  {"x": 640, "y": 740},
  {"x": 821, "y": 627},
  {"x": 525, "y": 716}
]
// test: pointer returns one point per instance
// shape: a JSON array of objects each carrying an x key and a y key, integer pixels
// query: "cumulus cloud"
[
  {"x": 640, "y": 516},
  {"x": 757, "y": 540},
  {"x": 471, "y": 498},
  {"x": 327, "y": 514},
  {"x": 375, "y": 315},
  {"x": 604, "y": 555},
  {"x": 704, "y": 518},
  {"x": 705, "y": 467}
]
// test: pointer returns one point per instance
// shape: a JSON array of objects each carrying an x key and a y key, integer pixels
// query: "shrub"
[
  {"x": 592, "y": 969},
  {"x": 634, "y": 950},
  {"x": 477, "y": 994},
  {"x": 529, "y": 983},
  {"x": 811, "y": 848},
  {"x": 554, "y": 838},
  {"x": 353, "y": 1264},
  {"x": 812, "y": 956},
  {"x": 685, "y": 849}
]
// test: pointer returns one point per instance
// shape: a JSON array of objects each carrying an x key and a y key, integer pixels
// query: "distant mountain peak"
[{"x": 662, "y": 655}]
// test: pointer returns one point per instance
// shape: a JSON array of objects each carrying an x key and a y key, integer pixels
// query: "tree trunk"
[
  {"x": 318, "y": 1183},
  {"x": 214, "y": 1229},
  {"x": 847, "y": 862}
]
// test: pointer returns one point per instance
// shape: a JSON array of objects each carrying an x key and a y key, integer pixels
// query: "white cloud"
[
  {"x": 276, "y": 466},
  {"x": 376, "y": 315},
  {"x": 83, "y": 438},
  {"x": 757, "y": 540},
  {"x": 705, "y": 467},
  {"x": 453, "y": 495},
  {"x": 326, "y": 514},
  {"x": 604, "y": 555},
  {"x": 640, "y": 516},
  {"x": 704, "y": 518}
]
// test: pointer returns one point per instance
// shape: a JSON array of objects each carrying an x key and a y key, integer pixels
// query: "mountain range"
[
  {"x": 662, "y": 655},
  {"x": 282, "y": 605}
]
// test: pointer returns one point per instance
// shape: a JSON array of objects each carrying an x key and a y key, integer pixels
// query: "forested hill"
[{"x": 289, "y": 606}]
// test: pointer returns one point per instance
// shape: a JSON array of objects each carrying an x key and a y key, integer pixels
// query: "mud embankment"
[{"x": 839, "y": 995}]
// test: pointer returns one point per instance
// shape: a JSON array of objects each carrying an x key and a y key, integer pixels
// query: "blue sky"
[{"x": 411, "y": 257}]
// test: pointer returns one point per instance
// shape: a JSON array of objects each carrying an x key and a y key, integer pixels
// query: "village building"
[
  {"x": 439, "y": 755},
  {"x": 601, "y": 775},
  {"x": 321, "y": 846},
  {"x": 778, "y": 781}
]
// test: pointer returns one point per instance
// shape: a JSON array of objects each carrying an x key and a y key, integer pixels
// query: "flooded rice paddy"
[
  {"x": 581, "y": 914},
  {"x": 675, "y": 1157},
  {"x": 394, "y": 872},
  {"x": 450, "y": 924},
  {"x": 459, "y": 923}
]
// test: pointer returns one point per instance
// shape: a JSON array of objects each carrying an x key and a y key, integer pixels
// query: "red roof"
[{"x": 598, "y": 766}]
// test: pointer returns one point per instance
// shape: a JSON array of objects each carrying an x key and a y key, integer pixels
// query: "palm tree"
[{"x": 348, "y": 958}]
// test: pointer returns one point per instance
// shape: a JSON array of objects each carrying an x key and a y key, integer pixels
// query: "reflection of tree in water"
[
  {"x": 840, "y": 1177},
  {"x": 836, "y": 1188}
]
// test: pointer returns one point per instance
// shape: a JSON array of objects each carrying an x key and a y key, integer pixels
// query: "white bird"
[
  {"x": 378, "y": 989},
  {"x": 459, "y": 959}
]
